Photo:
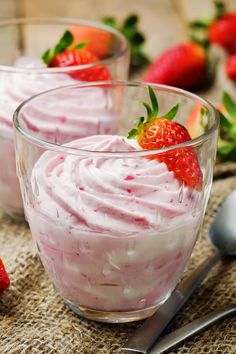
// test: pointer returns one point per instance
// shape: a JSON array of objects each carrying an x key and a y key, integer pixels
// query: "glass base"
[{"x": 114, "y": 316}]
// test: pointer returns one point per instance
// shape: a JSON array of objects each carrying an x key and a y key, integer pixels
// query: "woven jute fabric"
[{"x": 34, "y": 319}]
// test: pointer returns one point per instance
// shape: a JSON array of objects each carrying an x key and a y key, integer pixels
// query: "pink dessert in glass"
[
  {"x": 105, "y": 253},
  {"x": 14, "y": 89},
  {"x": 23, "y": 74},
  {"x": 115, "y": 224}
]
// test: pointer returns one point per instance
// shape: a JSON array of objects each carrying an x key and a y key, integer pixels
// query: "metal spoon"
[
  {"x": 222, "y": 235},
  {"x": 194, "y": 327}
]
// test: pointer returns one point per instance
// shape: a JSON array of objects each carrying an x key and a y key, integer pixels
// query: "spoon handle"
[
  {"x": 194, "y": 327},
  {"x": 149, "y": 332}
]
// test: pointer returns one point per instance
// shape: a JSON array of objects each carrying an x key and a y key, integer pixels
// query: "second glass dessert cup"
[
  {"x": 113, "y": 225},
  {"x": 23, "y": 74}
]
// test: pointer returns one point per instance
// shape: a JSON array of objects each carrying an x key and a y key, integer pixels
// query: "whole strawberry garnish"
[
  {"x": 221, "y": 28},
  {"x": 62, "y": 55},
  {"x": 4, "y": 279},
  {"x": 227, "y": 138},
  {"x": 184, "y": 66},
  {"x": 155, "y": 132},
  {"x": 230, "y": 67}
]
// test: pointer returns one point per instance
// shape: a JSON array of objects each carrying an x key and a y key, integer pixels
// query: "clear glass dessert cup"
[
  {"x": 113, "y": 226},
  {"x": 23, "y": 74}
]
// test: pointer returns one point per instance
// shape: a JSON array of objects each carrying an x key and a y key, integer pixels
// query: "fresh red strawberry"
[
  {"x": 61, "y": 56},
  {"x": 81, "y": 57},
  {"x": 101, "y": 43},
  {"x": 4, "y": 280},
  {"x": 184, "y": 65},
  {"x": 223, "y": 32},
  {"x": 230, "y": 67},
  {"x": 155, "y": 132},
  {"x": 221, "y": 28}
]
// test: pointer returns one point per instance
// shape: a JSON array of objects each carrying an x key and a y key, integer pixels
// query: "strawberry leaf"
[
  {"x": 204, "y": 118},
  {"x": 172, "y": 113},
  {"x": 204, "y": 111},
  {"x": 64, "y": 42},
  {"x": 154, "y": 101},
  {"x": 220, "y": 8},
  {"x": 199, "y": 24},
  {"x": 224, "y": 123},
  {"x": 136, "y": 39},
  {"x": 225, "y": 147},
  {"x": 132, "y": 133},
  {"x": 80, "y": 45},
  {"x": 139, "y": 121},
  {"x": 230, "y": 105},
  {"x": 148, "y": 109},
  {"x": 46, "y": 56},
  {"x": 203, "y": 42},
  {"x": 130, "y": 21},
  {"x": 109, "y": 21},
  {"x": 204, "y": 23},
  {"x": 152, "y": 115}
]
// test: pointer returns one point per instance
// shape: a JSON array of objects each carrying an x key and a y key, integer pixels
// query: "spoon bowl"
[{"x": 222, "y": 233}]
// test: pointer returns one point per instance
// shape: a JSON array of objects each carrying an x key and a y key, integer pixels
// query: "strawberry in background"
[
  {"x": 230, "y": 67},
  {"x": 221, "y": 28},
  {"x": 65, "y": 54},
  {"x": 195, "y": 124},
  {"x": 4, "y": 279},
  {"x": 227, "y": 135},
  {"x": 184, "y": 66},
  {"x": 136, "y": 38},
  {"x": 99, "y": 42}
]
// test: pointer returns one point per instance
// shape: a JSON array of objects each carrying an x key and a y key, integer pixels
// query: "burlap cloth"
[{"x": 33, "y": 319}]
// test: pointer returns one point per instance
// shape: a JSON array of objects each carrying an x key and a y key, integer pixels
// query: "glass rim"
[
  {"x": 136, "y": 153},
  {"x": 65, "y": 20}
]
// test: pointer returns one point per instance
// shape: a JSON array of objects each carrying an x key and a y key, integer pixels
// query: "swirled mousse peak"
[{"x": 117, "y": 195}]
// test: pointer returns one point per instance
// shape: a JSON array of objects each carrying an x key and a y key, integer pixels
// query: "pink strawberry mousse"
[
  {"x": 114, "y": 234},
  {"x": 49, "y": 120}
]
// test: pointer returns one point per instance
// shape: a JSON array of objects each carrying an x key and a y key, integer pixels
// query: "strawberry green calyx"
[
  {"x": 203, "y": 24},
  {"x": 227, "y": 138},
  {"x": 152, "y": 114},
  {"x": 64, "y": 42},
  {"x": 136, "y": 39},
  {"x": 80, "y": 45},
  {"x": 220, "y": 8},
  {"x": 203, "y": 42}
]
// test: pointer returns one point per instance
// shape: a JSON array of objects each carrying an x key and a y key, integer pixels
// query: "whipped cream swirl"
[
  {"x": 113, "y": 195},
  {"x": 16, "y": 87},
  {"x": 58, "y": 117}
]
